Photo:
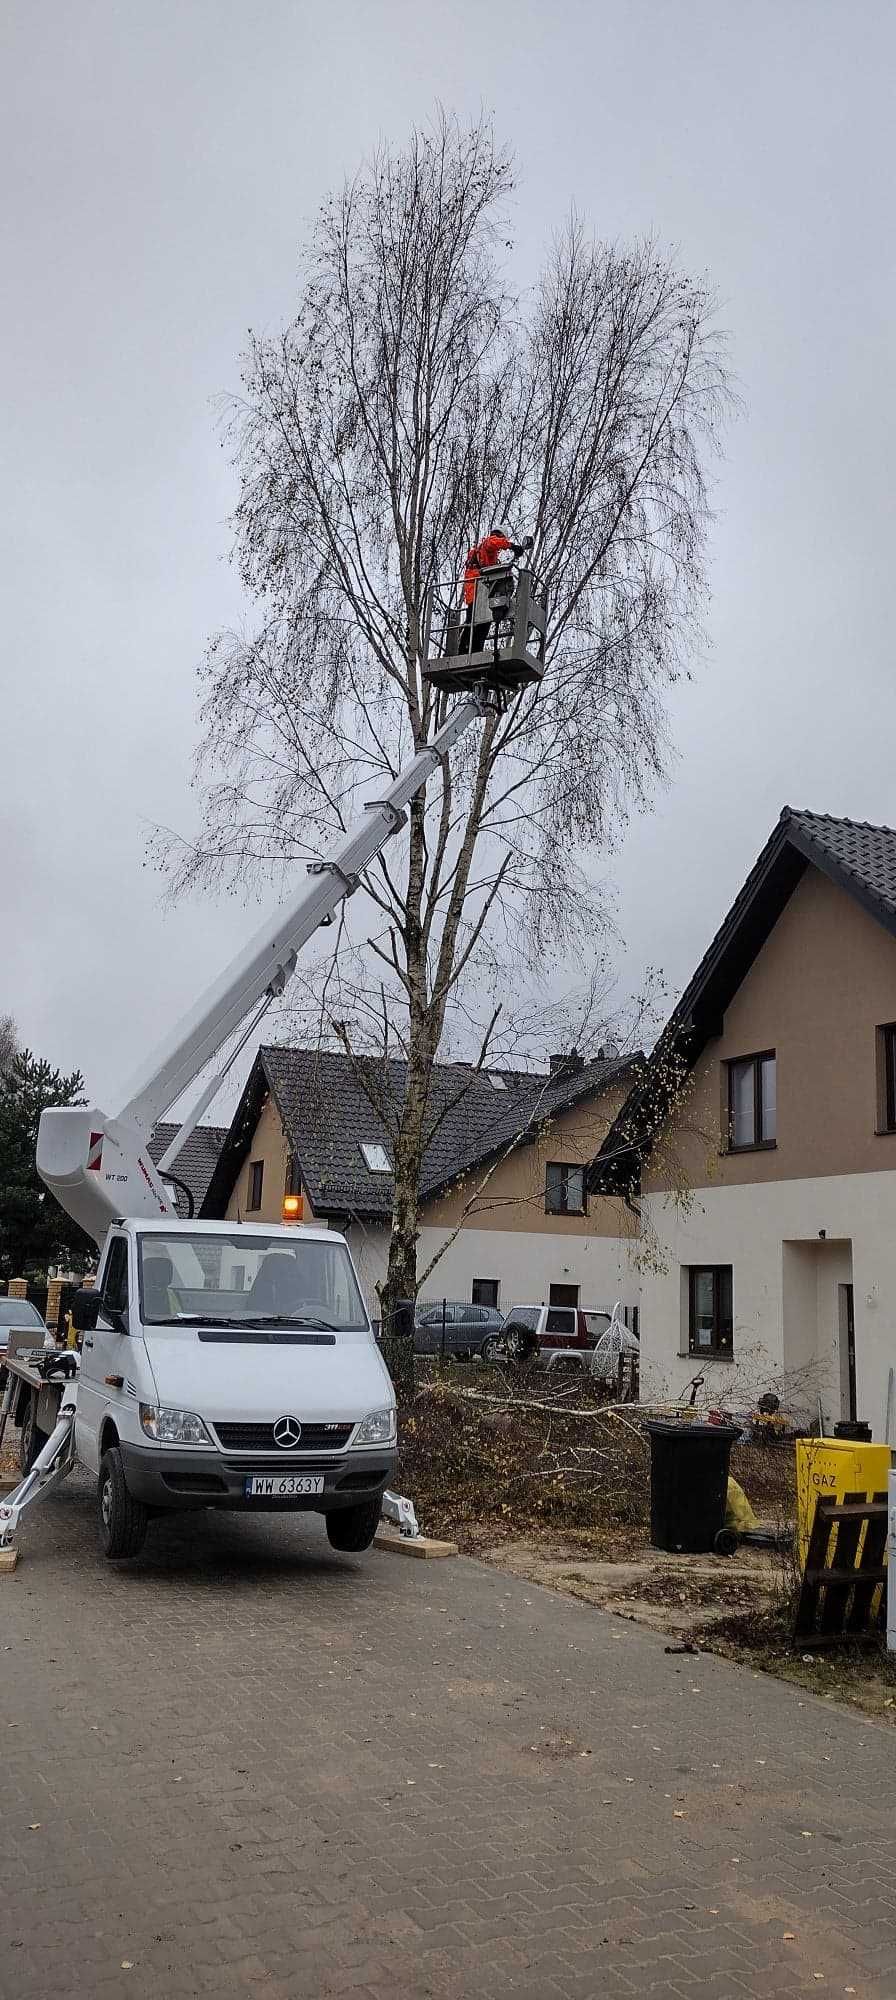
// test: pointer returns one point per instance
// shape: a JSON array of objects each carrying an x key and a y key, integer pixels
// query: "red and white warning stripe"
[{"x": 95, "y": 1152}]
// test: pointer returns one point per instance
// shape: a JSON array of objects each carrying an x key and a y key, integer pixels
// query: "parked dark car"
[{"x": 469, "y": 1329}]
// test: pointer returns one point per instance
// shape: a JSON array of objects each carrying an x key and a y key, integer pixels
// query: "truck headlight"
[
  {"x": 172, "y": 1426},
  {"x": 378, "y": 1428}
]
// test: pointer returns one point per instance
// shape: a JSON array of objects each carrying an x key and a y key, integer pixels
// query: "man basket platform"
[{"x": 497, "y": 638}]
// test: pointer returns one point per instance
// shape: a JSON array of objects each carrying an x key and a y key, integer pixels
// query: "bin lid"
[{"x": 680, "y": 1427}]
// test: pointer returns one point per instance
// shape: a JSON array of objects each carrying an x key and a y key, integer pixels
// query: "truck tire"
[
  {"x": 353, "y": 1528},
  {"x": 122, "y": 1519}
]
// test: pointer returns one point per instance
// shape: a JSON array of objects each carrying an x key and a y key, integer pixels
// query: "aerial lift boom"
[{"x": 98, "y": 1166}]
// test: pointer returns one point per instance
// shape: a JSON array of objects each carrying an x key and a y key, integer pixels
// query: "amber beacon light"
[{"x": 293, "y": 1208}]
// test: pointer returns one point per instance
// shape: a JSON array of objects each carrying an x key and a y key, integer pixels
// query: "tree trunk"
[{"x": 401, "y": 1271}]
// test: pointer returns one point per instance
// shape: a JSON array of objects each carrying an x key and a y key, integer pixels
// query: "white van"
[{"x": 225, "y": 1365}]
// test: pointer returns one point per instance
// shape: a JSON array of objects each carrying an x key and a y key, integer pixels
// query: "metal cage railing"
[{"x": 498, "y": 640}]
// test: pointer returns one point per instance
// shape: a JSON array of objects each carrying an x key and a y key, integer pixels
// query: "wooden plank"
[
  {"x": 872, "y": 1570},
  {"x": 842, "y": 1581},
  {"x": 846, "y": 1548},
  {"x": 849, "y": 1576},
  {"x": 816, "y": 1559},
  {"x": 8, "y": 1560},
  {"x": 424, "y": 1547},
  {"x": 861, "y": 1510}
]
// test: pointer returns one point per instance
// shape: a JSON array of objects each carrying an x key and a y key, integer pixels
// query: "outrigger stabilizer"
[{"x": 57, "y": 1456}]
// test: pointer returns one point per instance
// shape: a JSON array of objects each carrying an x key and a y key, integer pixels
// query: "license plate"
[{"x": 283, "y": 1485}]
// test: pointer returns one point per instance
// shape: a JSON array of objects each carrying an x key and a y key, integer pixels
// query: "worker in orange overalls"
[{"x": 485, "y": 555}]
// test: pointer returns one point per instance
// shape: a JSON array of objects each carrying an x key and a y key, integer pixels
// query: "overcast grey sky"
[{"x": 159, "y": 166}]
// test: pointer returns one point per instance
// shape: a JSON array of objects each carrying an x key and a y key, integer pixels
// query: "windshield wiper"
[
  {"x": 247, "y": 1320},
  {"x": 200, "y": 1319},
  {"x": 290, "y": 1319}
]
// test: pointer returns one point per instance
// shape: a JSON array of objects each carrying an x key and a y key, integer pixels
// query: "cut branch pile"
[
  {"x": 486, "y": 1464},
  {"x": 520, "y": 1458}
]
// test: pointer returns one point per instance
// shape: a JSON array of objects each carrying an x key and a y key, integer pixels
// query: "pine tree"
[{"x": 34, "y": 1230}]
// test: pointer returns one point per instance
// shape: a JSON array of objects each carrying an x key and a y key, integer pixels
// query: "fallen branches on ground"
[{"x": 517, "y": 1459}]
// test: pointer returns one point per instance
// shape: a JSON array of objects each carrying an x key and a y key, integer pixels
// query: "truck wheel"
[
  {"x": 353, "y": 1528},
  {"x": 31, "y": 1440},
  {"x": 122, "y": 1519}
]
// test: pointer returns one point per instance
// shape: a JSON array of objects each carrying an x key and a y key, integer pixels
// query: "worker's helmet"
[{"x": 500, "y": 531}]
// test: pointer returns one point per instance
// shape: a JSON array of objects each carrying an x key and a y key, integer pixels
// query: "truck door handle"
[{"x": 88, "y": 1343}]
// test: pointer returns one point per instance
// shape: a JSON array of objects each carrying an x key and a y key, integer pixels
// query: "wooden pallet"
[
  {"x": 424, "y": 1547},
  {"x": 842, "y": 1599}
]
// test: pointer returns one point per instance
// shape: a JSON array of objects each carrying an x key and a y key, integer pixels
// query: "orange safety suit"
[{"x": 483, "y": 556}]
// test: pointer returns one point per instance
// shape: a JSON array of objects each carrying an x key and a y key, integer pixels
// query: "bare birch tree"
[
  {"x": 413, "y": 400},
  {"x": 9, "y": 1043}
]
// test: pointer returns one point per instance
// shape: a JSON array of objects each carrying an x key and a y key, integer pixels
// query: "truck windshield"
[{"x": 242, "y": 1280}]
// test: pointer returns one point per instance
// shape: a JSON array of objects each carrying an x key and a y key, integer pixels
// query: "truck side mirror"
[{"x": 84, "y": 1308}]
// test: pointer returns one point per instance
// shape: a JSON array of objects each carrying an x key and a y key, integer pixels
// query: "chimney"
[{"x": 567, "y": 1063}]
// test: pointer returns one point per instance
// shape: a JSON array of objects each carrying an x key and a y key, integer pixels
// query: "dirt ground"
[
  {"x": 655, "y": 1589},
  {"x": 552, "y": 1486}
]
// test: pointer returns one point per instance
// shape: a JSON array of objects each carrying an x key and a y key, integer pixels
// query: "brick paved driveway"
[{"x": 262, "y": 1770}]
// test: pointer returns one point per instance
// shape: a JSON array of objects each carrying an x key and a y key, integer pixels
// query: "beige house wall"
[
  {"x": 823, "y": 983},
  {"x": 268, "y": 1145},
  {"x": 514, "y": 1196}
]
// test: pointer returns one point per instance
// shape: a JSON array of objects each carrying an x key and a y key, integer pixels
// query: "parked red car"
[{"x": 537, "y": 1327}]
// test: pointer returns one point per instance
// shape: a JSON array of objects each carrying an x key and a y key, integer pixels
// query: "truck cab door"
[{"x": 103, "y": 1354}]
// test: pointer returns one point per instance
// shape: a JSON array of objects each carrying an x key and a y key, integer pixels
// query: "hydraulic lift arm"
[{"x": 98, "y": 1166}]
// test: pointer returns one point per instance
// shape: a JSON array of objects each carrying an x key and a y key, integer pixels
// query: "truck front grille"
[{"x": 260, "y": 1437}]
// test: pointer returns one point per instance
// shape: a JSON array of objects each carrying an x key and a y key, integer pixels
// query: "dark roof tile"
[
  {"x": 196, "y": 1164},
  {"x": 867, "y": 854},
  {"x": 331, "y": 1102}
]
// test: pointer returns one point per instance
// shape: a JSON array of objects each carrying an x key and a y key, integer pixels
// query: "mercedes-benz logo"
[{"x": 287, "y": 1432}]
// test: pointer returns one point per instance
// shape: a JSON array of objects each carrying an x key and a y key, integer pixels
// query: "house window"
[
  {"x": 256, "y": 1183},
  {"x": 375, "y": 1157},
  {"x": 752, "y": 1102},
  {"x": 886, "y": 1077},
  {"x": 485, "y": 1291},
  {"x": 711, "y": 1314},
  {"x": 563, "y": 1295},
  {"x": 564, "y": 1189}
]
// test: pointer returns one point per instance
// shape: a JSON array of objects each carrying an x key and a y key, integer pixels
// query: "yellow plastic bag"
[{"x": 739, "y": 1514}]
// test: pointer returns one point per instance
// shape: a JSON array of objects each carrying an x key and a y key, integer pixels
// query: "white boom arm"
[{"x": 98, "y": 1167}]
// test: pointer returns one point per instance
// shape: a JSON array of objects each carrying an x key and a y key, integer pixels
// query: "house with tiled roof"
[
  {"x": 759, "y": 1140},
  {"x": 503, "y": 1181}
]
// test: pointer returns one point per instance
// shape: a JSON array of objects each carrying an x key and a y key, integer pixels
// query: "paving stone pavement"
[{"x": 244, "y": 1766}]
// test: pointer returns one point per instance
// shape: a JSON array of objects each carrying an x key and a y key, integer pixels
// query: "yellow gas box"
[{"x": 829, "y": 1468}]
